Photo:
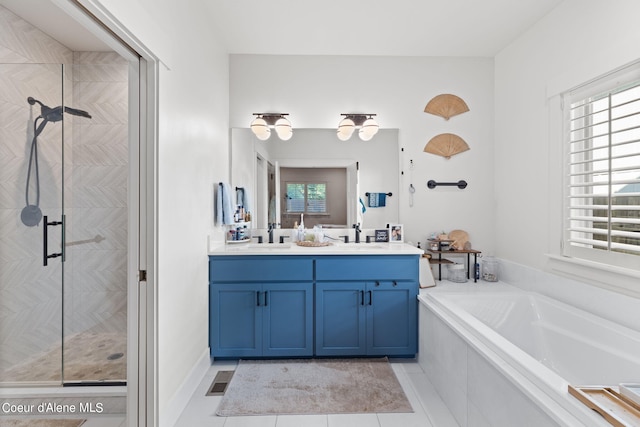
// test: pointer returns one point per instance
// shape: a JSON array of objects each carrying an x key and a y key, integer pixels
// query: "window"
[
  {"x": 602, "y": 202},
  {"x": 307, "y": 197}
]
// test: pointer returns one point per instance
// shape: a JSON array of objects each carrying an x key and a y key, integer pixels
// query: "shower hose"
[{"x": 33, "y": 163}]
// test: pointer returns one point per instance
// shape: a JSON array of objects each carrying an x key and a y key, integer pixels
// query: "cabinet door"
[
  {"x": 392, "y": 315},
  {"x": 340, "y": 319},
  {"x": 287, "y": 314},
  {"x": 234, "y": 320}
]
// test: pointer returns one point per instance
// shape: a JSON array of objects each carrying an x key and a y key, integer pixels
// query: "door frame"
[{"x": 142, "y": 375}]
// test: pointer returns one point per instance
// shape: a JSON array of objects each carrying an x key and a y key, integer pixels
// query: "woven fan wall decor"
[
  {"x": 446, "y": 105},
  {"x": 446, "y": 145}
]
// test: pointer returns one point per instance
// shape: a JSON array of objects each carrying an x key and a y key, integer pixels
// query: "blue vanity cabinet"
[
  {"x": 256, "y": 310},
  {"x": 366, "y": 305},
  {"x": 323, "y": 305},
  {"x": 340, "y": 319},
  {"x": 392, "y": 311},
  {"x": 287, "y": 319},
  {"x": 235, "y": 321}
]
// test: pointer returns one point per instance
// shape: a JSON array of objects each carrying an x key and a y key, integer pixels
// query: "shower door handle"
[{"x": 45, "y": 240}]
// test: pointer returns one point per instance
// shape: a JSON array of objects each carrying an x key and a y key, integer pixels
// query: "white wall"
[
  {"x": 315, "y": 90},
  {"x": 577, "y": 41},
  {"x": 192, "y": 155}
]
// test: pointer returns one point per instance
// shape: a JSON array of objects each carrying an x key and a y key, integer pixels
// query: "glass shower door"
[
  {"x": 31, "y": 214},
  {"x": 96, "y": 213}
]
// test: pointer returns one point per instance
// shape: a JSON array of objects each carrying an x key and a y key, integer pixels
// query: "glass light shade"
[
  {"x": 283, "y": 129},
  {"x": 368, "y": 130},
  {"x": 363, "y": 136},
  {"x": 260, "y": 129},
  {"x": 345, "y": 129}
]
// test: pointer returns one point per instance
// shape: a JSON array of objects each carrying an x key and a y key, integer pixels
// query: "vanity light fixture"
[
  {"x": 261, "y": 126},
  {"x": 366, "y": 125}
]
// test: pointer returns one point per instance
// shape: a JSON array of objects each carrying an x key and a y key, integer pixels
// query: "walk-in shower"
[
  {"x": 64, "y": 221},
  {"x": 69, "y": 216}
]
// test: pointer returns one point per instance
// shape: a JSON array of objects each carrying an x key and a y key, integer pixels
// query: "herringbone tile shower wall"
[
  {"x": 95, "y": 191},
  {"x": 98, "y": 291}
]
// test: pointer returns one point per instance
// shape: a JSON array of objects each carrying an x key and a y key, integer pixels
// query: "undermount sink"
[
  {"x": 359, "y": 246},
  {"x": 267, "y": 246}
]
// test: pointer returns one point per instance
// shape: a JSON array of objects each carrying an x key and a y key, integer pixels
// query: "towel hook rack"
[
  {"x": 388, "y": 194},
  {"x": 462, "y": 184}
]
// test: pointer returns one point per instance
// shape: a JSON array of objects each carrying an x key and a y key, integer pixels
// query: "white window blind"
[
  {"x": 307, "y": 197},
  {"x": 602, "y": 202}
]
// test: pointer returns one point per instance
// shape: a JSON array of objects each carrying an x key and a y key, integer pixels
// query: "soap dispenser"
[
  {"x": 301, "y": 228},
  {"x": 295, "y": 232}
]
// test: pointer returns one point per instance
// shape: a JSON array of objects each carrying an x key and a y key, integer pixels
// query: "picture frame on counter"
[
  {"x": 382, "y": 235},
  {"x": 396, "y": 233}
]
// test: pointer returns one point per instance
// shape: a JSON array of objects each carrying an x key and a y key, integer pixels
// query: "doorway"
[{"x": 74, "y": 285}]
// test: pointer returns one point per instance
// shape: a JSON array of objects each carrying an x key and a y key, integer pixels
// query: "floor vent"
[{"x": 220, "y": 383}]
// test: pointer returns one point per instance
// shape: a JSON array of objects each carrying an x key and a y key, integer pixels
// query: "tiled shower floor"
[{"x": 88, "y": 356}]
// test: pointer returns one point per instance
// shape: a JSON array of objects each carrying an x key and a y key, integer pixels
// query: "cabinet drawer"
[
  {"x": 377, "y": 267},
  {"x": 260, "y": 268}
]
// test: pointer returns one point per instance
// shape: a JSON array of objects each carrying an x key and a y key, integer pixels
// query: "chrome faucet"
[{"x": 356, "y": 227}]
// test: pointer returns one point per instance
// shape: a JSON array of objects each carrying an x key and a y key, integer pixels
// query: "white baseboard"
[{"x": 180, "y": 399}]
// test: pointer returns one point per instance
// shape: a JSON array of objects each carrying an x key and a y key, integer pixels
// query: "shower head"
[
  {"x": 47, "y": 113},
  {"x": 55, "y": 114},
  {"x": 32, "y": 214},
  {"x": 76, "y": 112}
]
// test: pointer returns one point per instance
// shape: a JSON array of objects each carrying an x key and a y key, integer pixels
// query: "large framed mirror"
[{"x": 316, "y": 174}]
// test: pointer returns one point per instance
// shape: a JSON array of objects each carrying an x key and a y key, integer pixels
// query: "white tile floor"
[{"x": 429, "y": 410}]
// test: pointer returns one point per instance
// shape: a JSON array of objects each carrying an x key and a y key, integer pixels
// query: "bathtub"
[{"x": 538, "y": 344}]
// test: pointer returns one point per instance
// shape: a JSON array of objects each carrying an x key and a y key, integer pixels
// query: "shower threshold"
[
  {"x": 52, "y": 391},
  {"x": 94, "y": 384},
  {"x": 93, "y": 401}
]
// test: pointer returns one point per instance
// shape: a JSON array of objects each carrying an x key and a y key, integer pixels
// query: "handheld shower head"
[
  {"x": 47, "y": 113},
  {"x": 55, "y": 114}
]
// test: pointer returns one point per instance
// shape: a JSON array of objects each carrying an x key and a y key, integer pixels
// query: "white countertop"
[{"x": 252, "y": 248}]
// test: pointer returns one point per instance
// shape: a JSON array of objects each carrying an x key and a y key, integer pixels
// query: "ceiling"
[
  {"x": 50, "y": 19},
  {"x": 336, "y": 27},
  {"x": 374, "y": 27}
]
